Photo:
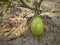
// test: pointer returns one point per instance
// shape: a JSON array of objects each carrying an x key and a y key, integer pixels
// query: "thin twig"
[
  {"x": 29, "y": 7},
  {"x": 40, "y": 2}
]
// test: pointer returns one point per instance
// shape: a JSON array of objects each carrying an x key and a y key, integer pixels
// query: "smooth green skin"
[{"x": 37, "y": 26}]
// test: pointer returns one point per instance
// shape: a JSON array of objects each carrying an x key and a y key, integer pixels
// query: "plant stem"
[
  {"x": 39, "y": 4},
  {"x": 27, "y": 6}
]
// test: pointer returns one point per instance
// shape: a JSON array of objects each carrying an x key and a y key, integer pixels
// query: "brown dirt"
[{"x": 50, "y": 36}]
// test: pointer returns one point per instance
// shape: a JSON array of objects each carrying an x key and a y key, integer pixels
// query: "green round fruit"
[{"x": 37, "y": 26}]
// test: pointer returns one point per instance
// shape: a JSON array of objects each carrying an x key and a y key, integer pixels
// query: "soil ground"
[{"x": 50, "y": 36}]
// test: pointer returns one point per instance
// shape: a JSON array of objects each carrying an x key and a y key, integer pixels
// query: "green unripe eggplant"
[{"x": 37, "y": 26}]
